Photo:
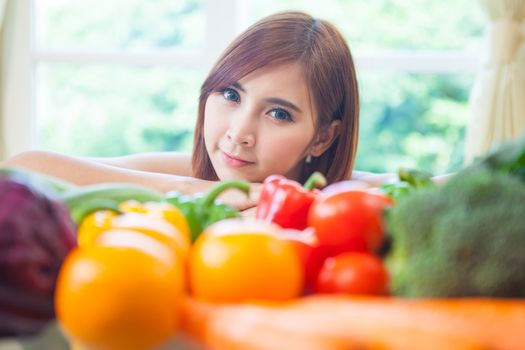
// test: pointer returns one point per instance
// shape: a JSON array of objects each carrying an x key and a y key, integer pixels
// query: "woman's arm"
[
  {"x": 86, "y": 171},
  {"x": 373, "y": 179},
  {"x": 441, "y": 179},
  {"x": 377, "y": 179},
  {"x": 174, "y": 163}
]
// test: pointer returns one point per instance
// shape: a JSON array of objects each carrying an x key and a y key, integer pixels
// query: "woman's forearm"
[
  {"x": 373, "y": 179},
  {"x": 377, "y": 179},
  {"x": 86, "y": 172},
  {"x": 83, "y": 171}
]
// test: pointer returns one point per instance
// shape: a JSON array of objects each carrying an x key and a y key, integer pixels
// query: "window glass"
[
  {"x": 415, "y": 120},
  {"x": 393, "y": 24},
  {"x": 109, "y": 110},
  {"x": 119, "y": 24},
  {"x": 412, "y": 120}
]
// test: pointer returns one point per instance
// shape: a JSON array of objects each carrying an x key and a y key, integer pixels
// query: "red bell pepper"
[{"x": 285, "y": 202}]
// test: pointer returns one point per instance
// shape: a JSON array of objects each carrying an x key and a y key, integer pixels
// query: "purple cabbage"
[{"x": 36, "y": 234}]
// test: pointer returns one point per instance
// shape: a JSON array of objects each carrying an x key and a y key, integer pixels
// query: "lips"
[{"x": 234, "y": 161}]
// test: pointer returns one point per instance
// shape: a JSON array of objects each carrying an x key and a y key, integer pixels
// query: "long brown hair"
[{"x": 329, "y": 69}]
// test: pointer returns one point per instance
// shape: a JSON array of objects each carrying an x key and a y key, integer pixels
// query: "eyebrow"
[{"x": 275, "y": 100}]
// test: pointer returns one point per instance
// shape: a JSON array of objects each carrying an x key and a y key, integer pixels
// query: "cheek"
[
  {"x": 213, "y": 126},
  {"x": 282, "y": 152}
]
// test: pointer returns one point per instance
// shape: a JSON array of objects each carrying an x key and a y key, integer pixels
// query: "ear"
[{"x": 324, "y": 140}]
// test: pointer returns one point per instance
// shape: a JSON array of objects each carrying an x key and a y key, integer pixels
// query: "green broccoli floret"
[{"x": 465, "y": 238}]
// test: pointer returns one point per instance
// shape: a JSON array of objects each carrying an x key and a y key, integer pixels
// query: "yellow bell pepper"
[{"x": 159, "y": 220}]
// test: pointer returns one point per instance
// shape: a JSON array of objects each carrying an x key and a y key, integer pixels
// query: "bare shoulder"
[{"x": 173, "y": 163}]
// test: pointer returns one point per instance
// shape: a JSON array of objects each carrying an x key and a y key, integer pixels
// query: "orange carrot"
[{"x": 337, "y": 322}]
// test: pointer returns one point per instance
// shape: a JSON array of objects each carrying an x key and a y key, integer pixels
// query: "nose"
[{"x": 242, "y": 130}]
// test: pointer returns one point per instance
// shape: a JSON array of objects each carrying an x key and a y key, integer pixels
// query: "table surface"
[{"x": 51, "y": 338}]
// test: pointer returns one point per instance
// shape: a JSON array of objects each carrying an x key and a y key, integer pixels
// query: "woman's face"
[{"x": 261, "y": 125}]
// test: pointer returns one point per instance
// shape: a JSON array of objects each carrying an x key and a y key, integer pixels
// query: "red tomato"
[
  {"x": 353, "y": 273},
  {"x": 349, "y": 217},
  {"x": 305, "y": 243},
  {"x": 311, "y": 253}
]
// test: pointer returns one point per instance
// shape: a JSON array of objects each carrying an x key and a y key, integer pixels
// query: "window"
[
  {"x": 119, "y": 78},
  {"x": 416, "y": 62},
  {"x": 110, "y": 78}
]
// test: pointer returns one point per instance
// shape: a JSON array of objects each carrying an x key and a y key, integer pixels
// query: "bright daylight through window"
[{"x": 124, "y": 77}]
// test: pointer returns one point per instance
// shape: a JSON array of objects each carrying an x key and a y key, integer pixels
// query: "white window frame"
[
  {"x": 18, "y": 94},
  {"x": 224, "y": 20}
]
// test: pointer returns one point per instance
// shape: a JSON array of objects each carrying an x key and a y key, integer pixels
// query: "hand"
[
  {"x": 239, "y": 200},
  {"x": 235, "y": 198},
  {"x": 249, "y": 213}
]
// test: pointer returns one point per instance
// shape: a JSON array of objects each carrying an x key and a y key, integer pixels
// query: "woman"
[{"x": 281, "y": 99}]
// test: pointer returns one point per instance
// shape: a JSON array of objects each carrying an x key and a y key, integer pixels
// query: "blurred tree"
[
  {"x": 393, "y": 24},
  {"x": 120, "y": 24},
  {"x": 137, "y": 110},
  {"x": 413, "y": 120},
  {"x": 109, "y": 110}
]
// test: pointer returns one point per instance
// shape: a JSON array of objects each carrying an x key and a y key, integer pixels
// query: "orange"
[
  {"x": 115, "y": 297},
  {"x": 237, "y": 260}
]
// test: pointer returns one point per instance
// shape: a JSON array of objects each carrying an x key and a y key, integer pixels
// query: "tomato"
[
  {"x": 353, "y": 273},
  {"x": 305, "y": 243},
  {"x": 311, "y": 253},
  {"x": 349, "y": 218},
  {"x": 237, "y": 260}
]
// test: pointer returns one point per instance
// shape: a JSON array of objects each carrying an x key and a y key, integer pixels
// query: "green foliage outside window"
[
  {"x": 109, "y": 110},
  {"x": 412, "y": 120},
  {"x": 119, "y": 24},
  {"x": 407, "y": 119}
]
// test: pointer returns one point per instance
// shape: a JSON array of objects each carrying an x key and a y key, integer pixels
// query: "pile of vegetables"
[
  {"x": 43, "y": 219},
  {"x": 338, "y": 232},
  {"x": 126, "y": 267}
]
